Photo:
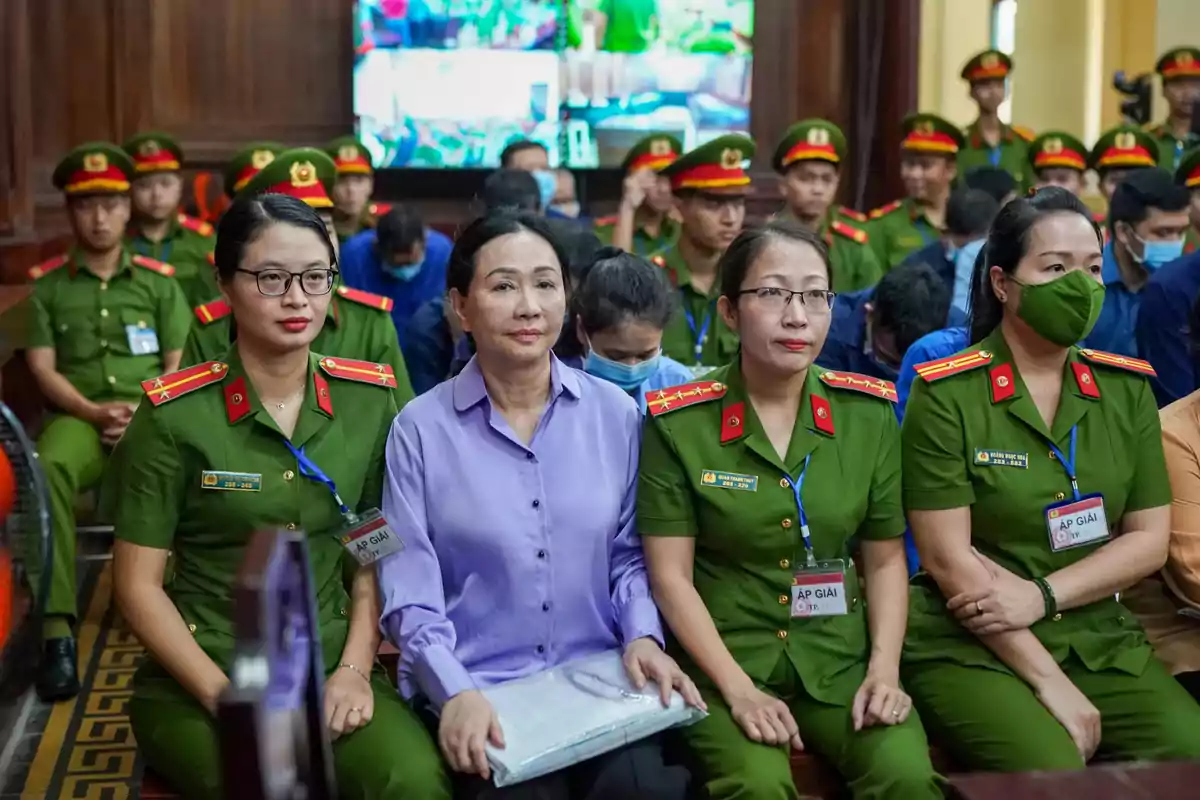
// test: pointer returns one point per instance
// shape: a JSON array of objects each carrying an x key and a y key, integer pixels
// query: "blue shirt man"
[
  {"x": 1164, "y": 327},
  {"x": 409, "y": 268},
  {"x": 428, "y": 346},
  {"x": 1114, "y": 329}
]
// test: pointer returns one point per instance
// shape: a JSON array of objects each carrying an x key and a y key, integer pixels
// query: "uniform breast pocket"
[{"x": 138, "y": 331}]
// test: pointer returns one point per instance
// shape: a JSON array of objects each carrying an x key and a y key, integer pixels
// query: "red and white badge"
[
  {"x": 369, "y": 538},
  {"x": 820, "y": 591},
  {"x": 1075, "y": 523}
]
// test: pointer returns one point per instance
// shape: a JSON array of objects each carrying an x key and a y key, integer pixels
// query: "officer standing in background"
[
  {"x": 1180, "y": 73},
  {"x": 808, "y": 160},
  {"x": 358, "y": 325},
  {"x": 990, "y": 141},
  {"x": 104, "y": 320},
  {"x": 246, "y": 163},
  {"x": 1057, "y": 158},
  {"x": 710, "y": 186},
  {"x": 159, "y": 230},
  {"x": 928, "y": 168},
  {"x": 1119, "y": 152},
  {"x": 1188, "y": 175},
  {"x": 644, "y": 223},
  {"x": 352, "y": 206}
]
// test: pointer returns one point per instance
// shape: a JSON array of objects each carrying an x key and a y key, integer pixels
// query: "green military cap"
[
  {"x": 1181, "y": 62},
  {"x": 715, "y": 167},
  {"x": 1188, "y": 173},
  {"x": 1057, "y": 149},
  {"x": 94, "y": 168},
  {"x": 656, "y": 151},
  {"x": 810, "y": 140},
  {"x": 929, "y": 133},
  {"x": 305, "y": 173},
  {"x": 154, "y": 152},
  {"x": 990, "y": 65},
  {"x": 1122, "y": 147},
  {"x": 350, "y": 156},
  {"x": 247, "y": 162}
]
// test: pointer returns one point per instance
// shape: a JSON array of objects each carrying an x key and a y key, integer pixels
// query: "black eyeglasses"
[
  {"x": 277, "y": 282},
  {"x": 774, "y": 298}
]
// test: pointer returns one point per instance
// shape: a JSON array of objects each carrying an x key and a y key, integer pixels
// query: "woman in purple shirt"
[{"x": 512, "y": 486}]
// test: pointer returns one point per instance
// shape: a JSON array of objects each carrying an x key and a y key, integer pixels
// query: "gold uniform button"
[
  {"x": 1059, "y": 496},
  {"x": 1120, "y": 619},
  {"x": 781, "y": 634},
  {"x": 104, "y": 312},
  {"x": 192, "y": 628},
  {"x": 787, "y": 523},
  {"x": 1057, "y": 617},
  {"x": 291, "y": 526},
  {"x": 784, "y": 484},
  {"x": 104, "y": 286},
  {"x": 112, "y": 378},
  {"x": 287, "y": 476},
  {"x": 104, "y": 343},
  {"x": 783, "y": 599},
  {"x": 784, "y": 563},
  {"x": 342, "y": 611},
  {"x": 1052, "y": 456}
]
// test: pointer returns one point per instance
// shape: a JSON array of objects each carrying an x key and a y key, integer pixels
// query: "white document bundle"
[{"x": 573, "y": 712}]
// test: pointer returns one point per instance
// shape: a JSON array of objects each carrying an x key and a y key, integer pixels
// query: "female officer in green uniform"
[
  {"x": 752, "y": 484},
  {"x": 271, "y": 435},
  {"x": 1035, "y": 485}
]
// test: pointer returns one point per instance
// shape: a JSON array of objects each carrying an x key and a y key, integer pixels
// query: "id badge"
[
  {"x": 700, "y": 370},
  {"x": 142, "y": 341},
  {"x": 370, "y": 538},
  {"x": 820, "y": 590},
  {"x": 1074, "y": 523}
]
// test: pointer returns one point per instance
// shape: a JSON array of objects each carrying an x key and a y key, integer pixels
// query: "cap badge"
[
  {"x": 1052, "y": 146},
  {"x": 660, "y": 147},
  {"x": 989, "y": 60},
  {"x": 95, "y": 162},
  {"x": 923, "y": 128},
  {"x": 1125, "y": 141},
  {"x": 818, "y": 137},
  {"x": 149, "y": 149},
  {"x": 1184, "y": 59},
  {"x": 260, "y": 158},
  {"x": 347, "y": 152},
  {"x": 303, "y": 174},
  {"x": 731, "y": 158}
]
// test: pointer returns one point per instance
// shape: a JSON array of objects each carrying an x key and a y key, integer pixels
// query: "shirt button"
[
  {"x": 1059, "y": 496},
  {"x": 104, "y": 312},
  {"x": 541, "y": 649},
  {"x": 787, "y": 523},
  {"x": 781, "y": 634},
  {"x": 288, "y": 475},
  {"x": 192, "y": 628},
  {"x": 541, "y": 553},
  {"x": 1052, "y": 456},
  {"x": 112, "y": 378},
  {"x": 784, "y": 484},
  {"x": 528, "y": 455},
  {"x": 342, "y": 611},
  {"x": 104, "y": 286},
  {"x": 784, "y": 563},
  {"x": 104, "y": 343},
  {"x": 783, "y": 599},
  {"x": 545, "y": 606},
  {"x": 291, "y": 526},
  {"x": 537, "y": 503},
  {"x": 1057, "y": 617}
]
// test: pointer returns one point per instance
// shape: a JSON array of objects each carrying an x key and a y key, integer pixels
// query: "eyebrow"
[
  {"x": 276, "y": 265},
  {"x": 515, "y": 271},
  {"x": 1069, "y": 254}
]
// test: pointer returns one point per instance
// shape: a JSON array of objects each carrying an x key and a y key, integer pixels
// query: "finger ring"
[
  {"x": 356, "y": 708},
  {"x": 978, "y": 610},
  {"x": 895, "y": 712}
]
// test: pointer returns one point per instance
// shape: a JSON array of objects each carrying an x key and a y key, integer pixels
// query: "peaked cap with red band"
[
  {"x": 715, "y": 167},
  {"x": 94, "y": 168},
  {"x": 305, "y": 173}
]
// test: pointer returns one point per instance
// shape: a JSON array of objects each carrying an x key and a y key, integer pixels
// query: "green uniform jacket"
[
  {"x": 351, "y": 330},
  {"x": 679, "y": 342},
  {"x": 709, "y": 471},
  {"x": 975, "y": 438},
  {"x": 898, "y": 229},
  {"x": 1191, "y": 241},
  {"x": 187, "y": 247},
  {"x": 852, "y": 262},
  {"x": 369, "y": 219},
  {"x": 643, "y": 243},
  {"x": 1170, "y": 149},
  {"x": 172, "y": 479},
  {"x": 88, "y": 322},
  {"x": 1013, "y": 147}
]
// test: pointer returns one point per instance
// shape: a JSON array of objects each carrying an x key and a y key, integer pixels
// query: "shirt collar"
[
  {"x": 242, "y": 402},
  {"x": 1110, "y": 271},
  {"x": 975, "y": 134},
  {"x": 469, "y": 388},
  {"x": 76, "y": 264}
]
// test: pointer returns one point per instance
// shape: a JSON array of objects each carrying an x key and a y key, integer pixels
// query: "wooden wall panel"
[{"x": 16, "y": 129}]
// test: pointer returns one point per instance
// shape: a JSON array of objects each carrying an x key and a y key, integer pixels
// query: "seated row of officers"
[{"x": 755, "y": 501}]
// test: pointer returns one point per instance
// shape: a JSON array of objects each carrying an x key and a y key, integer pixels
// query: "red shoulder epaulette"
[
  {"x": 154, "y": 266},
  {"x": 857, "y": 382},
  {"x": 46, "y": 267},
  {"x": 885, "y": 210},
  {"x": 945, "y": 367},
  {"x": 177, "y": 384},
  {"x": 658, "y": 261},
  {"x": 379, "y": 209},
  {"x": 1023, "y": 132},
  {"x": 195, "y": 225},
  {"x": 682, "y": 396},
  {"x": 1120, "y": 362},
  {"x": 211, "y": 312},
  {"x": 605, "y": 220},
  {"x": 857, "y": 216},
  {"x": 849, "y": 231},
  {"x": 349, "y": 369},
  {"x": 376, "y": 301},
  {"x": 212, "y": 259}
]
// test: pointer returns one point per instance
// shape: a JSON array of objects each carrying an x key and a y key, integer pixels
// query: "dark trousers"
[{"x": 1191, "y": 682}]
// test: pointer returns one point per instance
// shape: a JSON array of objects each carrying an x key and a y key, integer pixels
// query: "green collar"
[
  {"x": 242, "y": 402},
  {"x": 77, "y": 266},
  {"x": 739, "y": 422},
  {"x": 975, "y": 135}
]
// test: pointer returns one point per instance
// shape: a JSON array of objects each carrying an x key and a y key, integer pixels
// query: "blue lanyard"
[
  {"x": 310, "y": 470},
  {"x": 994, "y": 155},
  {"x": 797, "y": 485},
  {"x": 1069, "y": 464},
  {"x": 923, "y": 230},
  {"x": 698, "y": 336},
  {"x": 1178, "y": 152},
  {"x": 166, "y": 253}
]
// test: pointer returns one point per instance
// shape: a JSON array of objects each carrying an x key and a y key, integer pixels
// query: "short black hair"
[
  {"x": 1143, "y": 190},
  {"x": 579, "y": 243},
  {"x": 512, "y": 190},
  {"x": 510, "y": 150},
  {"x": 996, "y": 181},
  {"x": 621, "y": 287},
  {"x": 969, "y": 212},
  {"x": 249, "y": 216},
  {"x": 461, "y": 268},
  {"x": 911, "y": 301},
  {"x": 399, "y": 230},
  {"x": 748, "y": 246}
]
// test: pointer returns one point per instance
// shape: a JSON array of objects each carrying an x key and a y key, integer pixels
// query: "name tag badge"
[
  {"x": 729, "y": 480},
  {"x": 231, "y": 481},
  {"x": 820, "y": 590},
  {"x": 369, "y": 538},
  {"x": 143, "y": 341},
  {"x": 1001, "y": 458},
  {"x": 1074, "y": 523}
]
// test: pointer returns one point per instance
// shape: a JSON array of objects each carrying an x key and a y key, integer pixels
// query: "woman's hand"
[
  {"x": 1008, "y": 603},
  {"x": 644, "y": 659},
  {"x": 764, "y": 718},
  {"x": 1076, "y": 713},
  {"x": 349, "y": 701},
  {"x": 880, "y": 700},
  {"x": 468, "y": 723}
]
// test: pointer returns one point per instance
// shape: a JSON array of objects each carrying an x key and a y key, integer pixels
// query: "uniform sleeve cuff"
[
  {"x": 440, "y": 675},
  {"x": 938, "y": 499},
  {"x": 639, "y": 619}
]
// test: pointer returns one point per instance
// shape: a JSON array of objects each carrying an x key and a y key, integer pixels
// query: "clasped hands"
[
  {"x": 111, "y": 419},
  {"x": 1006, "y": 603}
]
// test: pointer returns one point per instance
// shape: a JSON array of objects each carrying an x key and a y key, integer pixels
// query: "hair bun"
[{"x": 608, "y": 251}]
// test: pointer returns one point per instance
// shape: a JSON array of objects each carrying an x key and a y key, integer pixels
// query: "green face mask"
[{"x": 1064, "y": 310}]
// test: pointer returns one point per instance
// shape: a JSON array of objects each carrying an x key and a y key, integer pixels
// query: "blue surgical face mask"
[
  {"x": 1156, "y": 254},
  {"x": 627, "y": 376},
  {"x": 547, "y": 183},
  {"x": 405, "y": 273}
]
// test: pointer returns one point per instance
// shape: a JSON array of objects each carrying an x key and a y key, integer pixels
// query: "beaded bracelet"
[{"x": 1048, "y": 598}]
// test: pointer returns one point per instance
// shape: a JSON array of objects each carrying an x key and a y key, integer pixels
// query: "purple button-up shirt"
[{"x": 516, "y": 558}]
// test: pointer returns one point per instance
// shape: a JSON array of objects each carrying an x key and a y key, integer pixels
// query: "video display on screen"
[{"x": 450, "y": 83}]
